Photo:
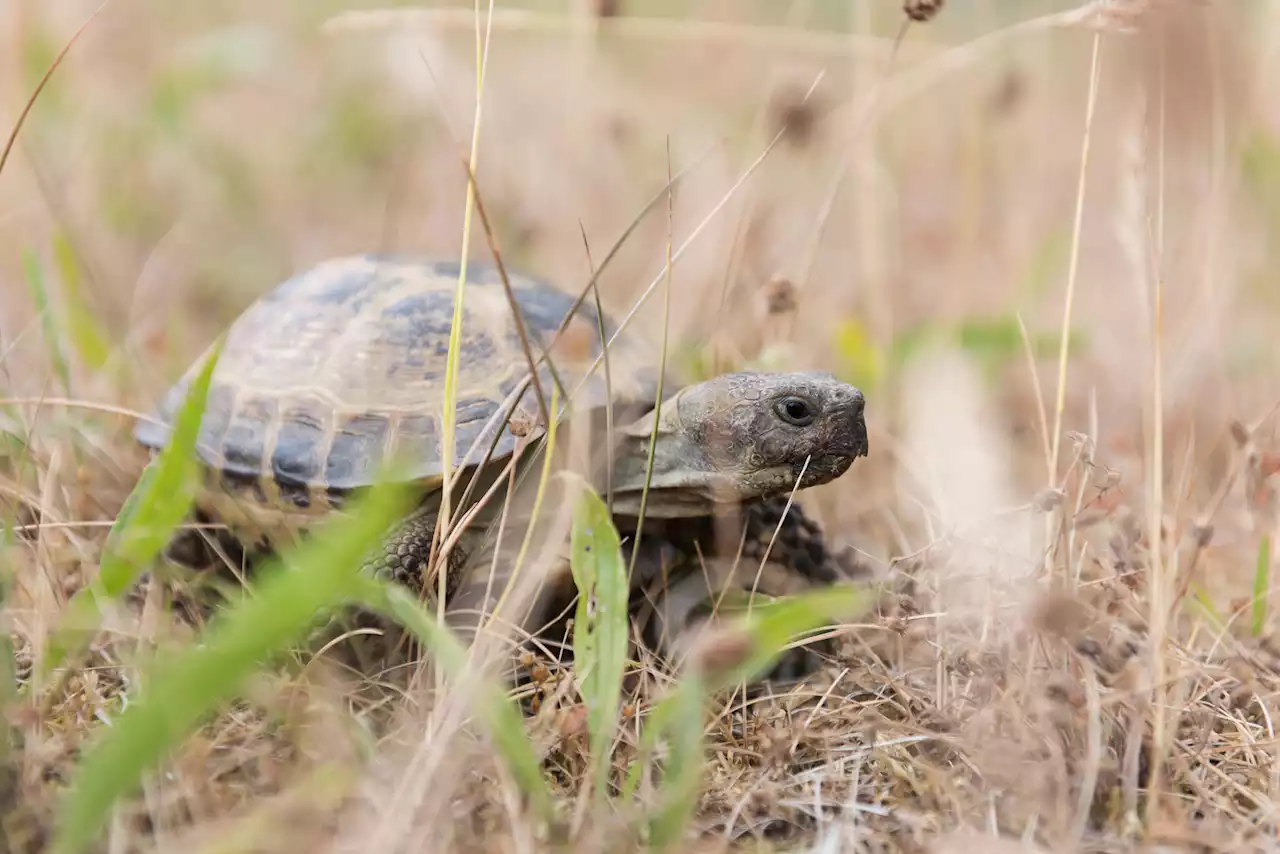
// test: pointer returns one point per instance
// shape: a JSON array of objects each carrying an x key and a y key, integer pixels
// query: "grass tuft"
[
  {"x": 182, "y": 688},
  {"x": 743, "y": 650}
]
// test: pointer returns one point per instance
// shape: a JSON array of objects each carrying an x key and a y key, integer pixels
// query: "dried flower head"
[
  {"x": 608, "y": 8},
  {"x": 719, "y": 650},
  {"x": 779, "y": 296},
  {"x": 794, "y": 115},
  {"x": 922, "y": 10}
]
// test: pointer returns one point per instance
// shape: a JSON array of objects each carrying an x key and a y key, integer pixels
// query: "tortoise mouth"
[
  {"x": 823, "y": 469},
  {"x": 826, "y": 467}
]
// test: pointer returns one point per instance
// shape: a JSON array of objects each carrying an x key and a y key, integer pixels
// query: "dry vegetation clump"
[{"x": 1075, "y": 647}]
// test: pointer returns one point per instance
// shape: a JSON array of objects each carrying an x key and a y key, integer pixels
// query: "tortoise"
[{"x": 344, "y": 363}]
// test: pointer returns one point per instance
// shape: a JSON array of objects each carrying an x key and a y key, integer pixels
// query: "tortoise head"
[{"x": 739, "y": 437}]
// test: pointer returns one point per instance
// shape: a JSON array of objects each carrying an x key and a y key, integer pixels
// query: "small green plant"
[
  {"x": 157, "y": 505},
  {"x": 1261, "y": 585},
  {"x": 600, "y": 625}
]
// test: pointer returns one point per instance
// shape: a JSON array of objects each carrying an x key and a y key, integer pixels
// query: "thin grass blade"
[
  {"x": 34, "y": 274},
  {"x": 1261, "y": 585},
  {"x": 770, "y": 626},
  {"x": 682, "y": 722}
]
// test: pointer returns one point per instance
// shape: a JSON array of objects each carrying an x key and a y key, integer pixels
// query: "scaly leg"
[
  {"x": 703, "y": 567},
  {"x": 404, "y": 554}
]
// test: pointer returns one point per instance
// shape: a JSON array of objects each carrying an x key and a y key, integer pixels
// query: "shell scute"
[
  {"x": 301, "y": 443},
  {"x": 359, "y": 445},
  {"x": 416, "y": 444},
  {"x": 244, "y": 444},
  {"x": 219, "y": 408},
  {"x": 475, "y": 411}
]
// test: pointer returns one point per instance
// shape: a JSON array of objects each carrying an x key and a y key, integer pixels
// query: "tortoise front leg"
[
  {"x": 703, "y": 569},
  {"x": 800, "y": 544},
  {"x": 404, "y": 554}
]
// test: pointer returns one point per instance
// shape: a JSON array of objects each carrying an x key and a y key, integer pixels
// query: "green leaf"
[
  {"x": 600, "y": 627},
  {"x": 183, "y": 687},
  {"x": 996, "y": 340},
  {"x": 40, "y": 295},
  {"x": 1260, "y": 173},
  {"x": 157, "y": 505},
  {"x": 999, "y": 336},
  {"x": 1201, "y": 600},
  {"x": 1261, "y": 585}
]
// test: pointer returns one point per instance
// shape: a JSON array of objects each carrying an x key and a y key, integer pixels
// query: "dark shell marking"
[{"x": 341, "y": 364}]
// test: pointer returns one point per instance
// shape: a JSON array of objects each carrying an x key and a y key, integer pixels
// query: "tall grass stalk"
[
  {"x": 1073, "y": 270},
  {"x": 455, "y": 333},
  {"x": 44, "y": 81}
]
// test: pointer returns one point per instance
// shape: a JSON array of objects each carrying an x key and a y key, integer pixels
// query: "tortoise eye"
[{"x": 795, "y": 411}]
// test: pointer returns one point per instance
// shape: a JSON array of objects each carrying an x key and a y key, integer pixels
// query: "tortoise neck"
[{"x": 677, "y": 485}]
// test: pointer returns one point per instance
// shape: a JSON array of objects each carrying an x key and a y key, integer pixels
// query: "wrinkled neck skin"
[
  {"x": 676, "y": 488},
  {"x": 683, "y": 482}
]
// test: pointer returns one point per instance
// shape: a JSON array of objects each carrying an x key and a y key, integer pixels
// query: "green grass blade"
[
  {"x": 88, "y": 339},
  {"x": 10, "y": 733},
  {"x": 155, "y": 507},
  {"x": 34, "y": 274},
  {"x": 600, "y": 627},
  {"x": 681, "y": 720},
  {"x": 498, "y": 712},
  {"x": 182, "y": 688},
  {"x": 1261, "y": 585},
  {"x": 1202, "y": 602}
]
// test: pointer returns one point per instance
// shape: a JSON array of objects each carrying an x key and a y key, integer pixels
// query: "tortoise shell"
[{"x": 344, "y": 363}]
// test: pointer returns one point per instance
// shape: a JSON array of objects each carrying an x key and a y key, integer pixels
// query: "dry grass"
[{"x": 1071, "y": 659}]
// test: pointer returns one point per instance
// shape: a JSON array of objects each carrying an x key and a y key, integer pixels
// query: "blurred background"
[{"x": 919, "y": 203}]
